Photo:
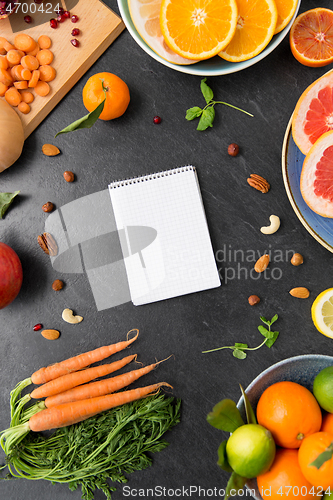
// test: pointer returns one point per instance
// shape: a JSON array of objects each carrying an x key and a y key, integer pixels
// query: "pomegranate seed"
[
  {"x": 157, "y": 120},
  {"x": 75, "y": 32},
  {"x": 28, "y": 19},
  {"x": 61, "y": 18},
  {"x": 75, "y": 42},
  {"x": 37, "y": 327},
  {"x": 74, "y": 19},
  {"x": 53, "y": 23},
  {"x": 60, "y": 11},
  {"x": 67, "y": 14}
]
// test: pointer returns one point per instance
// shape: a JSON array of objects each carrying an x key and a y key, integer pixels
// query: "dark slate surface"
[{"x": 184, "y": 326}]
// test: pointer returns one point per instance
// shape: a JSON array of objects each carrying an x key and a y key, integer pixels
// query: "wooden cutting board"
[{"x": 99, "y": 26}]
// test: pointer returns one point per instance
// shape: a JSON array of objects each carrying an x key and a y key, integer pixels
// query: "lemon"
[
  {"x": 250, "y": 450},
  {"x": 323, "y": 388},
  {"x": 322, "y": 312}
]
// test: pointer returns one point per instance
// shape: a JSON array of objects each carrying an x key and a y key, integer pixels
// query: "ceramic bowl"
[
  {"x": 210, "y": 67},
  {"x": 300, "y": 369}
]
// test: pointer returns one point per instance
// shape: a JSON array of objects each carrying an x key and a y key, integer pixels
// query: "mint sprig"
[
  {"x": 238, "y": 350},
  {"x": 207, "y": 114}
]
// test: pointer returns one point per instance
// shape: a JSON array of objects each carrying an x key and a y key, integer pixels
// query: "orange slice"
[
  {"x": 145, "y": 15},
  {"x": 198, "y": 30},
  {"x": 255, "y": 29},
  {"x": 313, "y": 115},
  {"x": 311, "y": 37},
  {"x": 317, "y": 176},
  {"x": 286, "y": 9}
]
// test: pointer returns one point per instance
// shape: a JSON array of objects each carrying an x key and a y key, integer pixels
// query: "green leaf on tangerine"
[
  {"x": 86, "y": 121},
  {"x": 223, "y": 460},
  {"x": 225, "y": 416}
]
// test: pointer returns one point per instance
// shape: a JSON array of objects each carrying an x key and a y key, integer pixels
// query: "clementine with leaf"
[
  {"x": 109, "y": 87},
  {"x": 284, "y": 478},
  {"x": 290, "y": 412},
  {"x": 315, "y": 458}
]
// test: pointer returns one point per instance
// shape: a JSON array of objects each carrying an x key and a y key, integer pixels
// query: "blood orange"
[
  {"x": 313, "y": 115},
  {"x": 311, "y": 37},
  {"x": 317, "y": 176}
]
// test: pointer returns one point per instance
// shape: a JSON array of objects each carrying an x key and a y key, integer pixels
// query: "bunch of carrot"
[{"x": 70, "y": 399}]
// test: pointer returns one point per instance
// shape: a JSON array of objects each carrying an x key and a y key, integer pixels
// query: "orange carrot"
[
  {"x": 24, "y": 42},
  {"x": 44, "y": 42},
  {"x": 41, "y": 88},
  {"x": 24, "y": 107},
  {"x": 67, "y": 382},
  {"x": 71, "y": 413},
  {"x": 99, "y": 388},
  {"x": 76, "y": 363}
]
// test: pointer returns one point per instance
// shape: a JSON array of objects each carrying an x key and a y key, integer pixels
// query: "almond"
[
  {"x": 300, "y": 292},
  {"x": 50, "y": 150},
  {"x": 261, "y": 263},
  {"x": 50, "y": 334}
]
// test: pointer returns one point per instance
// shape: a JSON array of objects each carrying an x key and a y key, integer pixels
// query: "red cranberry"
[
  {"x": 37, "y": 327},
  {"x": 28, "y": 19},
  {"x": 53, "y": 23},
  {"x": 157, "y": 120},
  {"x": 75, "y": 32},
  {"x": 67, "y": 14},
  {"x": 75, "y": 42},
  {"x": 74, "y": 19}
]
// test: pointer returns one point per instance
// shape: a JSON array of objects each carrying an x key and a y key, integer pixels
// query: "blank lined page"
[{"x": 178, "y": 259}]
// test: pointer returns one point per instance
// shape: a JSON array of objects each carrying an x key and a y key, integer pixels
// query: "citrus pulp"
[
  {"x": 112, "y": 88},
  {"x": 323, "y": 385},
  {"x": 322, "y": 312},
  {"x": 311, "y": 37},
  {"x": 250, "y": 450},
  {"x": 313, "y": 115},
  {"x": 286, "y": 9},
  {"x": 198, "y": 30}
]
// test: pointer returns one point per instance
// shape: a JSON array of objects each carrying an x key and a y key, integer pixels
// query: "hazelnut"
[
  {"x": 68, "y": 176},
  {"x": 297, "y": 259},
  {"x": 48, "y": 207},
  {"x": 253, "y": 300},
  {"x": 57, "y": 285},
  {"x": 233, "y": 149}
]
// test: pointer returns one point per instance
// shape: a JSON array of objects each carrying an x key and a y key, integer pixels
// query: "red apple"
[{"x": 10, "y": 275}]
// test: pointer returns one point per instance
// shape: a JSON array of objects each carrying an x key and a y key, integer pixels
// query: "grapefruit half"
[
  {"x": 313, "y": 115},
  {"x": 145, "y": 15},
  {"x": 317, "y": 176}
]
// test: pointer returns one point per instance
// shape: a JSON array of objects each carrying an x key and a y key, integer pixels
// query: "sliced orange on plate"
[
  {"x": 255, "y": 28},
  {"x": 198, "y": 30},
  {"x": 313, "y": 115},
  {"x": 311, "y": 37},
  {"x": 286, "y": 9},
  {"x": 145, "y": 15}
]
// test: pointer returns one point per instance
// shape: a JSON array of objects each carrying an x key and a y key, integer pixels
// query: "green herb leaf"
[
  {"x": 223, "y": 460},
  {"x": 206, "y": 91},
  {"x": 239, "y": 354},
  {"x": 207, "y": 118},
  {"x": 323, "y": 457},
  {"x": 238, "y": 345},
  {"x": 250, "y": 415},
  {"x": 275, "y": 317},
  {"x": 270, "y": 342},
  {"x": 192, "y": 113},
  {"x": 86, "y": 121},
  {"x": 5, "y": 200},
  {"x": 236, "y": 484},
  {"x": 225, "y": 416},
  {"x": 266, "y": 333},
  {"x": 264, "y": 320}
]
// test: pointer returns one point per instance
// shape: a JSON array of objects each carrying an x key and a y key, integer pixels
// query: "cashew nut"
[
  {"x": 68, "y": 316},
  {"x": 275, "y": 224}
]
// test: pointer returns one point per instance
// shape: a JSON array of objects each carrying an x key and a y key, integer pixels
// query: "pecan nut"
[
  {"x": 259, "y": 183},
  {"x": 48, "y": 244}
]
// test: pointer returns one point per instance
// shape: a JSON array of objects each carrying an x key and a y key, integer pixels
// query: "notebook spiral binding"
[{"x": 150, "y": 177}]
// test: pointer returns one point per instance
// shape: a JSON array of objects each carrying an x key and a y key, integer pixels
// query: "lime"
[
  {"x": 250, "y": 450},
  {"x": 323, "y": 388},
  {"x": 322, "y": 312}
]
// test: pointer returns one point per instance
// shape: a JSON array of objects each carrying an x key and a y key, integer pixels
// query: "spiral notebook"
[{"x": 165, "y": 235}]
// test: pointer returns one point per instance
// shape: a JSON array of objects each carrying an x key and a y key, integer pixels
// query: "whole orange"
[
  {"x": 284, "y": 479},
  {"x": 311, "y": 447},
  {"x": 327, "y": 425},
  {"x": 109, "y": 86},
  {"x": 290, "y": 412}
]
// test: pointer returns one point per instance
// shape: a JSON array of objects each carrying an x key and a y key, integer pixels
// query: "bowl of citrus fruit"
[
  {"x": 293, "y": 401},
  {"x": 215, "y": 38}
]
